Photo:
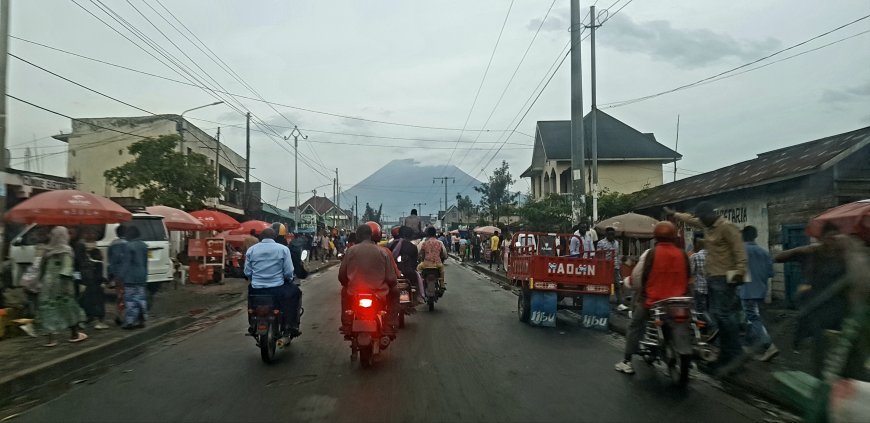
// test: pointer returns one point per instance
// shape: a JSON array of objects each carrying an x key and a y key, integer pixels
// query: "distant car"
[{"x": 152, "y": 230}]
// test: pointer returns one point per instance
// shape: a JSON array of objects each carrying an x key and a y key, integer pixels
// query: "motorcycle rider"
[
  {"x": 295, "y": 249},
  {"x": 661, "y": 272},
  {"x": 368, "y": 267},
  {"x": 404, "y": 248},
  {"x": 433, "y": 253},
  {"x": 413, "y": 221},
  {"x": 269, "y": 267}
]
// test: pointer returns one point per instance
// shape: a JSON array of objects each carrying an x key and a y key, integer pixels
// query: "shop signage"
[{"x": 45, "y": 184}]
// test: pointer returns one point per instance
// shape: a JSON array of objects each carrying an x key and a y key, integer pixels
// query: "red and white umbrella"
[
  {"x": 68, "y": 207},
  {"x": 486, "y": 230},
  {"x": 214, "y": 220},
  {"x": 175, "y": 219}
]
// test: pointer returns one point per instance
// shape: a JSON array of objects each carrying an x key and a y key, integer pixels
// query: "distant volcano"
[{"x": 401, "y": 183}]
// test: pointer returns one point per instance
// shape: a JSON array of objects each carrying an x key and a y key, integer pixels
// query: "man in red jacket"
[{"x": 662, "y": 272}]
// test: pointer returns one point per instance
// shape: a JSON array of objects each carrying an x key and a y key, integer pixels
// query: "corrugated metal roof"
[{"x": 780, "y": 164}]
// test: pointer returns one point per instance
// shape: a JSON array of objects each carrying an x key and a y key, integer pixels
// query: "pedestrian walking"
[
  {"x": 823, "y": 306},
  {"x": 752, "y": 294},
  {"x": 324, "y": 247},
  {"x": 699, "y": 280},
  {"x": 58, "y": 309},
  {"x": 463, "y": 248},
  {"x": 117, "y": 270},
  {"x": 609, "y": 248},
  {"x": 494, "y": 245},
  {"x": 135, "y": 303},
  {"x": 92, "y": 299},
  {"x": 724, "y": 268},
  {"x": 455, "y": 240},
  {"x": 475, "y": 248},
  {"x": 315, "y": 246}
]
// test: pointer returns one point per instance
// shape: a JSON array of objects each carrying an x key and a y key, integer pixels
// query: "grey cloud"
[
  {"x": 684, "y": 47},
  {"x": 859, "y": 92},
  {"x": 559, "y": 20}
]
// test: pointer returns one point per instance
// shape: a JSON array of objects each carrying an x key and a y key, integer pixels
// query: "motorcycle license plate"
[{"x": 404, "y": 296}]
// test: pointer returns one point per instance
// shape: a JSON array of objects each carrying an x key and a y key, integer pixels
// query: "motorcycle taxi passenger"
[
  {"x": 368, "y": 267},
  {"x": 433, "y": 253},
  {"x": 270, "y": 269},
  {"x": 661, "y": 272}
]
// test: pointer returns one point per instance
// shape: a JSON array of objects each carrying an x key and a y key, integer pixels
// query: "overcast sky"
[{"x": 421, "y": 62}]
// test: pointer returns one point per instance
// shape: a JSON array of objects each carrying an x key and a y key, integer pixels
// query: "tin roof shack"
[{"x": 777, "y": 192}]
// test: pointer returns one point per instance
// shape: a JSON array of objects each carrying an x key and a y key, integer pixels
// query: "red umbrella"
[
  {"x": 851, "y": 219},
  {"x": 68, "y": 207},
  {"x": 214, "y": 220},
  {"x": 245, "y": 228},
  {"x": 176, "y": 220},
  {"x": 234, "y": 240}
]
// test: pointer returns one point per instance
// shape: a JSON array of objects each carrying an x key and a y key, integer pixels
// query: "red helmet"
[
  {"x": 376, "y": 231},
  {"x": 395, "y": 231},
  {"x": 665, "y": 231}
]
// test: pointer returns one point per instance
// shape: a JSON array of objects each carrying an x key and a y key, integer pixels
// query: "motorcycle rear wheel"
[
  {"x": 431, "y": 305},
  {"x": 678, "y": 367},
  {"x": 401, "y": 319},
  {"x": 268, "y": 344},
  {"x": 366, "y": 357}
]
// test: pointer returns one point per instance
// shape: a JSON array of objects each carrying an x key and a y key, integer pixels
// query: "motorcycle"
[
  {"x": 265, "y": 317},
  {"x": 367, "y": 338},
  {"x": 673, "y": 336},
  {"x": 407, "y": 300},
  {"x": 433, "y": 284}
]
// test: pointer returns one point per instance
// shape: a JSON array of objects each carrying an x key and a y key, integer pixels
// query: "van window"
[
  {"x": 39, "y": 234},
  {"x": 149, "y": 229}
]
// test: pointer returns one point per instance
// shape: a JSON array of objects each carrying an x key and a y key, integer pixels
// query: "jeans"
[
  {"x": 289, "y": 300},
  {"x": 725, "y": 310},
  {"x": 135, "y": 305},
  {"x": 756, "y": 333}
]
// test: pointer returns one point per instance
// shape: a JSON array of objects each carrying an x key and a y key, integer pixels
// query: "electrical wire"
[
  {"x": 482, "y": 81},
  {"x": 734, "y": 69}
]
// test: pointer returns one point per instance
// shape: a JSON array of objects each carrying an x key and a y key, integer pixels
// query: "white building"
[{"x": 99, "y": 144}]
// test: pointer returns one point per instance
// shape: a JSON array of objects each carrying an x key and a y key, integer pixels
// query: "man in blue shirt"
[
  {"x": 269, "y": 267},
  {"x": 752, "y": 295},
  {"x": 136, "y": 278}
]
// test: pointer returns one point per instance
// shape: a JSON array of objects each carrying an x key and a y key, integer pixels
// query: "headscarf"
[{"x": 58, "y": 242}]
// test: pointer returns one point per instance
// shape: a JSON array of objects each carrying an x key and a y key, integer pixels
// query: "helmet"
[
  {"x": 665, "y": 231},
  {"x": 279, "y": 228},
  {"x": 376, "y": 231},
  {"x": 395, "y": 231}
]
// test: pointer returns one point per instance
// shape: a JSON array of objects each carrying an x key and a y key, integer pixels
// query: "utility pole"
[
  {"x": 578, "y": 148},
  {"x": 247, "y": 162},
  {"x": 355, "y": 212},
  {"x": 4, "y": 48},
  {"x": 443, "y": 180},
  {"x": 419, "y": 207},
  {"x": 676, "y": 147},
  {"x": 295, "y": 133},
  {"x": 217, "y": 159},
  {"x": 338, "y": 193},
  {"x": 594, "y": 146},
  {"x": 334, "y": 186}
]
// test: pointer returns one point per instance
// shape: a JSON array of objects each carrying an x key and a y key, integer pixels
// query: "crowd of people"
[{"x": 66, "y": 286}]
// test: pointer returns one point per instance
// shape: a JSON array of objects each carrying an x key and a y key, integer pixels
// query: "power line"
[
  {"x": 482, "y": 81},
  {"x": 511, "y": 80},
  {"x": 723, "y": 73}
]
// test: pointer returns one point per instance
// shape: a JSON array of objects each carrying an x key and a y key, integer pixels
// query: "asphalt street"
[{"x": 470, "y": 360}]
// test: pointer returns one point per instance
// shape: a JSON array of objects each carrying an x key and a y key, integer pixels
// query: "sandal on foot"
[{"x": 81, "y": 337}]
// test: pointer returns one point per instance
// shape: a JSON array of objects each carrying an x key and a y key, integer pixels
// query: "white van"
[{"x": 151, "y": 230}]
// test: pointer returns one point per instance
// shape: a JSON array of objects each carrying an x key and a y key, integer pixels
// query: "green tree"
[
  {"x": 165, "y": 176},
  {"x": 496, "y": 198},
  {"x": 465, "y": 207},
  {"x": 612, "y": 203},
  {"x": 549, "y": 214},
  {"x": 371, "y": 215}
]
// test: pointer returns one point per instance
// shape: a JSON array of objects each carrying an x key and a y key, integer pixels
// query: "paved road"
[{"x": 470, "y": 360}]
